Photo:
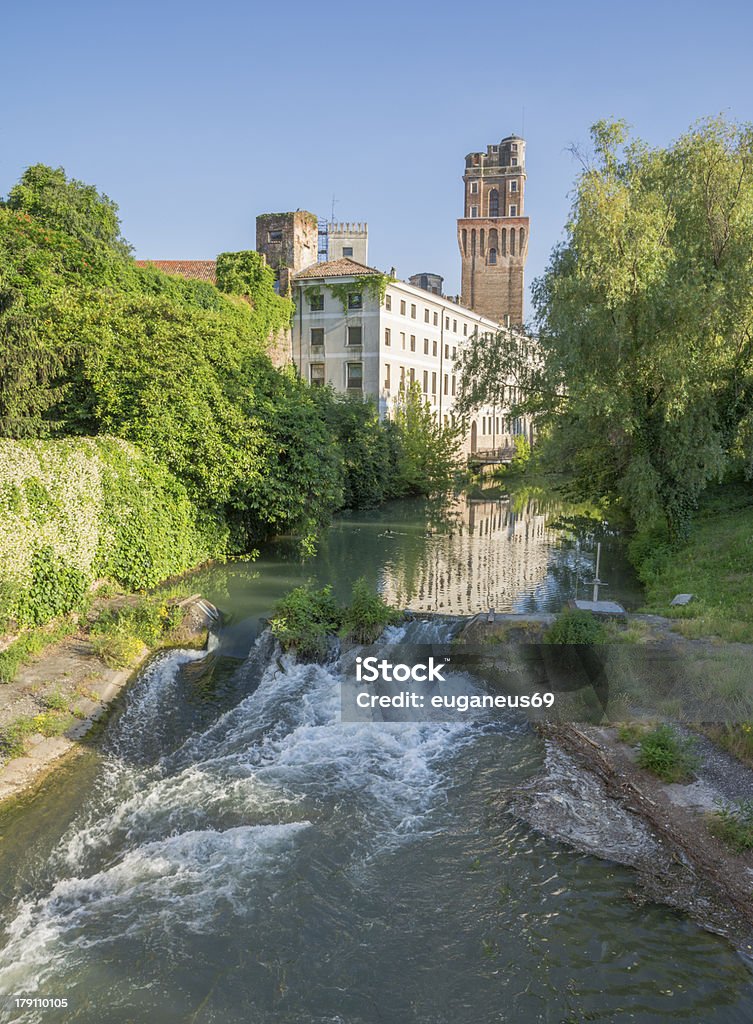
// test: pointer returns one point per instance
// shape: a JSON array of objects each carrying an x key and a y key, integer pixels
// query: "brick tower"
[
  {"x": 288, "y": 242},
  {"x": 493, "y": 231}
]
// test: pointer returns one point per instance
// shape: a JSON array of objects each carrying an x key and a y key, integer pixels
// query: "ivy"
[{"x": 373, "y": 285}]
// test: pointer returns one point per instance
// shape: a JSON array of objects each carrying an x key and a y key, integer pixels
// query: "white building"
[{"x": 365, "y": 343}]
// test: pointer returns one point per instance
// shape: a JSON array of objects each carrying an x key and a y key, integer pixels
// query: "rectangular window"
[
  {"x": 402, "y": 376},
  {"x": 317, "y": 336},
  {"x": 455, "y": 326},
  {"x": 454, "y": 352},
  {"x": 447, "y": 351},
  {"x": 275, "y": 236},
  {"x": 388, "y": 301},
  {"x": 433, "y": 383},
  {"x": 453, "y": 384},
  {"x": 387, "y": 376},
  {"x": 513, "y": 161},
  {"x": 412, "y": 375},
  {"x": 387, "y": 336},
  {"x": 474, "y": 188},
  {"x": 426, "y": 346},
  {"x": 317, "y": 375},
  {"x": 355, "y": 300},
  {"x": 436, "y": 319},
  {"x": 354, "y": 335},
  {"x": 354, "y": 376},
  {"x": 434, "y": 347},
  {"x": 402, "y": 340},
  {"x": 316, "y": 303},
  {"x": 413, "y": 310},
  {"x": 465, "y": 330},
  {"x": 474, "y": 212},
  {"x": 426, "y": 382},
  {"x": 402, "y": 307},
  {"x": 447, "y": 323},
  {"x": 513, "y": 186},
  {"x": 347, "y": 250},
  {"x": 413, "y": 342},
  {"x": 446, "y": 384},
  {"x": 426, "y": 316},
  {"x": 513, "y": 210}
]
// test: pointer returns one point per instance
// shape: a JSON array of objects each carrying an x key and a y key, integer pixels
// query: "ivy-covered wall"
[{"x": 78, "y": 509}]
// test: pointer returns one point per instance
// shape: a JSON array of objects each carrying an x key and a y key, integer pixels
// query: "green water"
[{"x": 234, "y": 853}]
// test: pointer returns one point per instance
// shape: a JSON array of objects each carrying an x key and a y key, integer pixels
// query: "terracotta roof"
[
  {"x": 344, "y": 267},
  {"x": 194, "y": 270}
]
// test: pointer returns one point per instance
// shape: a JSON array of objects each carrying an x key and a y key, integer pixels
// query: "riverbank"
[
  {"x": 56, "y": 698},
  {"x": 715, "y": 565}
]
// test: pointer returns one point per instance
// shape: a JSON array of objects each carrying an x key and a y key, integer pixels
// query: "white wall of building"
[{"x": 412, "y": 336}]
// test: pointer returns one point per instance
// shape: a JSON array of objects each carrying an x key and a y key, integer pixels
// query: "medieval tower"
[{"x": 493, "y": 231}]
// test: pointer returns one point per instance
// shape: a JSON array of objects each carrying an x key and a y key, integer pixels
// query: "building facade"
[
  {"x": 493, "y": 231},
  {"x": 348, "y": 240},
  {"x": 348, "y": 336}
]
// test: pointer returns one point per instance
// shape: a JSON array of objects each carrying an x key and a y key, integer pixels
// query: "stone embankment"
[{"x": 72, "y": 678}]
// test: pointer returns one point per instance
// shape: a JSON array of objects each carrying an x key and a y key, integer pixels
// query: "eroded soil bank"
[{"x": 593, "y": 795}]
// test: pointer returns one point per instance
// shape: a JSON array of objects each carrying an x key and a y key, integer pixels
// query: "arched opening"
[
  {"x": 474, "y": 436},
  {"x": 481, "y": 241},
  {"x": 522, "y": 240},
  {"x": 465, "y": 241},
  {"x": 492, "y": 257},
  {"x": 494, "y": 203},
  {"x": 504, "y": 241},
  {"x": 473, "y": 240},
  {"x": 512, "y": 241}
]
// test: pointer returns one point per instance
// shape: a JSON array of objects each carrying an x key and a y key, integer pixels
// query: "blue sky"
[{"x": 197, "y": 117}]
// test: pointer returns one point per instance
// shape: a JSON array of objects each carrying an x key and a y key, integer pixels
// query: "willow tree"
[{"x": 645, "y": 320}]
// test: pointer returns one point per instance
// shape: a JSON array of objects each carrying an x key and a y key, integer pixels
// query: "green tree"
[
  {"x": 645, "y": 321},
  {"x": 427, "y": 451},
  {"x": 59, "y": 202}
]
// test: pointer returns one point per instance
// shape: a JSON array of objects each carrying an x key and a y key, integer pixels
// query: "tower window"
[
  {"x": 514, "y": 186},
  {"x": 275, "y": 236},
  {"x": 474, "y": 211},
  {"x": 347, "y": 250},
  {"x": 474, "y": 188},
  {"x": 513, "y": 210},
  {"x": 513, "y": 161},
  {"x": 492, "y": 256},
  {"x": 354, "y": 376},
  {"x": 494, "y": 203}
]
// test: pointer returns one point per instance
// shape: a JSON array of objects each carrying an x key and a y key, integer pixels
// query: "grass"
[
  {"x": 31, "y": 643},
  {"x": 14, "y": 738},
  {"x": 664, "y": 752},
  {"x": 734, "y": 825},
  {"x": 715, "y": 565}
]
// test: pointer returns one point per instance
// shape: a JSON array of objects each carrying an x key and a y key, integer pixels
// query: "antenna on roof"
[{"x": 332, "y": 219}]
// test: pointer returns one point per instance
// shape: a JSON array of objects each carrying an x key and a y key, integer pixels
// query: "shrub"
[
  {"x": 304, "y": 619},
  {"x": 576, "y": 627},
  {"x": 734, "y": 824},
  {"x": 367, "y": 615},
  {"x": 667, "y": 754}
]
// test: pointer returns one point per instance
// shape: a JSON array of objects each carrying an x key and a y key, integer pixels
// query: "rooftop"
[
  {"x": 194, "y": 270},
  {"x": 344, "y": 267}
]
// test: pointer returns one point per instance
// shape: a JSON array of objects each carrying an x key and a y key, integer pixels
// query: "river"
[{"x": 231, "y": 852}]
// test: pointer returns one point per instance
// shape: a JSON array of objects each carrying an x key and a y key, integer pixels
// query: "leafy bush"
[
  {"x": 304, "y": 620},
  {"x": 734, "y": 824},
  {"x": 116, "y": 649},
  {"x": 367, "y": 615},
  {"x": 667, "y": 754},
  {"x": 576, "y": 627}
]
